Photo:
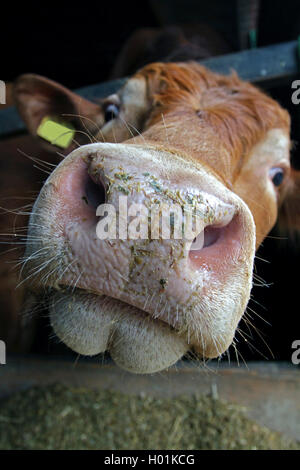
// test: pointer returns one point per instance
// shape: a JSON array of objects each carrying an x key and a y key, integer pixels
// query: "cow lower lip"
[{"x": 91, "y": 324}]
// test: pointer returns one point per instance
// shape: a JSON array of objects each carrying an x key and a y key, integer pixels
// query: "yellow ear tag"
[{"x": 55, "y": 132}]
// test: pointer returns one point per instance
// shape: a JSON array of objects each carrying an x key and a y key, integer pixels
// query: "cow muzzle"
[{"x": 148, "y": 255}]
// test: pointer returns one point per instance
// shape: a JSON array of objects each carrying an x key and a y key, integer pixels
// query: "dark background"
[{"x": 76, "y": 44}]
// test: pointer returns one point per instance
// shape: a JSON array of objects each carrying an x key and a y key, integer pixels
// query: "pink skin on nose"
[
  {"x": 74, "y": 207},
  {"x": 71, "y": 188},
  {"x": 225, "y": 247}
]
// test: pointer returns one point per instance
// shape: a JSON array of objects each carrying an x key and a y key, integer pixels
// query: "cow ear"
[
  {"x": 38, "y": 99},
  {"x": 289, "y": 212}
]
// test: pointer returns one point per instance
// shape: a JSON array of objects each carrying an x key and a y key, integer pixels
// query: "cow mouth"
[{"x": 118, "y": 303}]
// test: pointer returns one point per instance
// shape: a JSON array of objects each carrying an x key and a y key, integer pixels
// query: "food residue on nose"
[
  {"x": 163, "y": 283},
  {"x": 123, "y": 190},
  {"x": 156, "y": 186},
  {"x": 123, "y": 176}
]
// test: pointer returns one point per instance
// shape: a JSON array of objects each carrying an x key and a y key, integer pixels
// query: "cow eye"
[
  {"x": 111, "y": 112},
  {"x": 277, "y": 176}
]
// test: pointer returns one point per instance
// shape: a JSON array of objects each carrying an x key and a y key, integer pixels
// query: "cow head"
[{"x": 174, "y": 134}]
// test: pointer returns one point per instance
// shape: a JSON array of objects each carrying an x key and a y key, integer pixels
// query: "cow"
[{"x": 174, "y": 133}]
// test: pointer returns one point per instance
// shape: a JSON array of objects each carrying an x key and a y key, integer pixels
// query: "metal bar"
[
  {"x": 262, "y": 66},
  {"x": 265, "y": 66}
]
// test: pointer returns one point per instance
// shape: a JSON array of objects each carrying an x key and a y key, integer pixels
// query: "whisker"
[
  {"x": 242, "y": 333},
  {"x": 37, "y": 270},
  {"x": 259, "y": 333},
  {"x": 136, "y": 130},
  {"x": 259, "y": 316},
  {"x": 36, "y": 159},
  {"x": 81, "y": 117},
  {"x": 262, "y": 259}
]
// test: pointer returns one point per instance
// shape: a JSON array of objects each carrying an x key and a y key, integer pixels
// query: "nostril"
[
  {"x": 218, "y": 243},
  {"x": 95, "y": 192},
  {"x": 211, "y": 235},
  {"x": 208, "y": 237}
]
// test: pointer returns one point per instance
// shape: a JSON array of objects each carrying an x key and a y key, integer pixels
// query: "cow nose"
[
  {"x": 98, "y": 178},
  {"x": 106, "y": 183}
]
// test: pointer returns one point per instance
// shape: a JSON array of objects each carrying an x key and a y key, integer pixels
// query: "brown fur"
[{"x": 237, "y": 113}]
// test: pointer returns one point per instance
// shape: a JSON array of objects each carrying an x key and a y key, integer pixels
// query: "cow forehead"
[{"x": 217, "y": 100}]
